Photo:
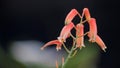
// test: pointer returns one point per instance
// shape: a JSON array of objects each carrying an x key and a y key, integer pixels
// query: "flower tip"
[
  {"x": 91, "y": 40},
  {"x": 104, "y": 49},
  {"x": 60, "y": 39},
  {"x": 58, "y": 48},
  {"x": 83, "y": 46}
]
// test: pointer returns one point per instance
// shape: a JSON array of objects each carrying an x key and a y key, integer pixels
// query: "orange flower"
[
  {"x": 100, "y": 43},
  {"x": 93, "y": 34},
  {"x": 71, "y": 15},
  {"x": 87, "y": 13},
  {"x": 93, "y": 30},
  {"x": 65, "y": 33},
  {"x": 79, "y": 35},
  {"x": 57, "y": 42}
]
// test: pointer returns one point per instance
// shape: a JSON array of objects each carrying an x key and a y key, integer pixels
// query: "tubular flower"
[
  {"x": 93, "y": 30},
  {"x": 71, "y": 15},
  {"x": 87, "y": 13},
  {"x": 65, "y": 33},
  {"x": 57, "y": 42},
  {"x": 79, "y": 35},
  {"x": 100, "y": 43}
]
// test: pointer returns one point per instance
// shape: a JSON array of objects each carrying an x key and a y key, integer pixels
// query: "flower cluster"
[{"x": 79, "y": 38}]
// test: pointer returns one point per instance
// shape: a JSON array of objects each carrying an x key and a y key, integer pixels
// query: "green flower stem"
[
  {"x": 69, "y": 55},
  {"x": 75, "y": 52},
  {"x": 66, "y": 48},
  {"x": 82, "y": 22},
  {"x": 72, "y": 36}
]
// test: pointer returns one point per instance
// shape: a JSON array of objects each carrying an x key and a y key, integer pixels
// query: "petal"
[
  {"x": 71, "y": 15},
  {"x": 65, "y": 32},
  {"x": 79, "y": 35},
  {"x": 100, "y": 43},
  {"x": 92, "y": 29},
  {"x": 87, "y": 13},
  {"x": 59, "y": 44}
]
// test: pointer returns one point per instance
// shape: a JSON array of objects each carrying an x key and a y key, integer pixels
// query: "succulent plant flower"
[
  {"x": 65, "y": 32},
  {"x": 78, "y": 40},
  {"x": 79, "y": 35},
  {"x": 71, "y": 16},
  {"x": 100, "y": 42},
  {"x": 57, "y": 42},
  {"x": 93, "y": 34},
  {"x": 92, "y": 30}
]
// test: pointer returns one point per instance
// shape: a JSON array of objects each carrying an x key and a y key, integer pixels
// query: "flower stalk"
[{"x": 78, "y": 40}]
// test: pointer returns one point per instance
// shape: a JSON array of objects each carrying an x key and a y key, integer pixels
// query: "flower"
[
  {"x": 57, "y": 42},
  {"x": 93, "y": 30},
  {"x": 65, "y": 32},
  {"x": 71, "y": 15},
  {"x": 87, "y": 13},
  {"x": 79, "y": 35},
  {"x": 100, "y": 43},
  {"x": 93, "y": 34}
]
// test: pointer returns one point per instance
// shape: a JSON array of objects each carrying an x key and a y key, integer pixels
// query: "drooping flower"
[
  {"x": 92, "y": 29},
  {"x": 57, "y": 42},
  {"x": 93, "y": 37},
  {"x": 87, "y": 13},
  {"x": 79, "y": 35},
  {"x": 71, "y": 16},
  {"x": 100, "y": 43},
  {"x": 65, "y": 32}
]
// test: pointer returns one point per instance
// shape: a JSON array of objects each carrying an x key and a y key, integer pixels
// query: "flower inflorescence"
[{"x": 79, "y": 38}]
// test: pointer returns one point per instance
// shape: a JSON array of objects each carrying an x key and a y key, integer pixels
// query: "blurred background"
[{"x": 25, "y": 25}]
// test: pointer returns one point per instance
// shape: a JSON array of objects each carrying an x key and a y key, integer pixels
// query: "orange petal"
[
  {"x": 93, "y": 30},
  {"x": 100, "y": 43},
  {"x": 65, "y": 32},
  {"x": 59, "y": 44},
  {"x": 71, "y": 15},
  {"x": 87, "y": 13},
  {"x": 79, "y": 34}
]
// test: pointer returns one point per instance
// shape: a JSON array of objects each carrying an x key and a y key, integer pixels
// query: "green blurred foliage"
[
  {"x": 7, "y": 62},
  {"x": 85, "y": 58}
]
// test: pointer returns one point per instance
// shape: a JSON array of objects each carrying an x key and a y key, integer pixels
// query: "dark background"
[{"x": 43, "y": 20}]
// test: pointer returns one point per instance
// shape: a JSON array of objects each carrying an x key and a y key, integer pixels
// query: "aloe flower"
[
  {"x": 79, "y": 35},
  {"x": 93, "y": 34},
  {"x": 71, "y": 15},
  {"x": 65, "y": 32},
  {"x": 100, "y": 43},
  {"x": 87, "y": 13},
  {"x": 92, "y": 30},
  {"x": 57, "y": 42}
]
